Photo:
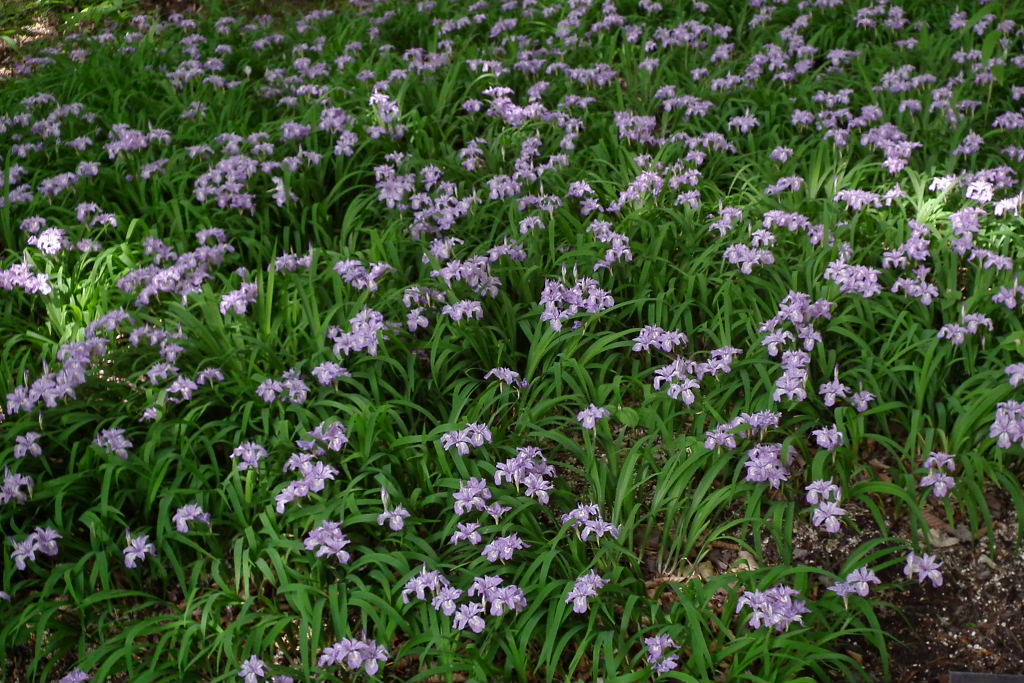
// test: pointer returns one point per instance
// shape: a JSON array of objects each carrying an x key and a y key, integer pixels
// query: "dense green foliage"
[{"x": 201, "y": 215}]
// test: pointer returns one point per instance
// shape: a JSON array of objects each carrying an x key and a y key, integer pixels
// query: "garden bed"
[{"x": 514, "y": 341}]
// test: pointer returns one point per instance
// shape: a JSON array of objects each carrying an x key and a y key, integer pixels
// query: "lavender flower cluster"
[
  {"x": 530, "y": 469},
  {"x": 328, "y": 540},
  {"x": 315, "y": 473},
  {"x": 940, "y": 482},
  {"x": 926, "y": 567},
  {"x": 473, "y": 436},
  {"x": 775, "y": 607},
  {"x": 508, "y": 376},
  {"x": 39, "y": 541},
  {"x": 659, "y": 657},
  {"x": 16, "y": 487},
  {"x": 190, "y": 513},
  {"x": 825, "y": 496},
  {"x": 394, "y": 518},
  {"x": 562, "y": 303},
  {"x": 354, "y": 654},
  {"x": 681, "y": 378},
  {"x": 858, "y": 582},
  {"x": 493, "y": 598},
  {"x": 586, "y": 519},
  {"x": 586, "y": 587},
  {"x": 137, "y": 550}
]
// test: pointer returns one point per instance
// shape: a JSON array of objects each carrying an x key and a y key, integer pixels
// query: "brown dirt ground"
[{"x": 973, "y": 622}]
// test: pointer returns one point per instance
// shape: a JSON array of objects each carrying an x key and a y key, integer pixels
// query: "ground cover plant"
[{"x": 503, "y": 341}]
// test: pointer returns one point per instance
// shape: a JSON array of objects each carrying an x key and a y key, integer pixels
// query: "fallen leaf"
[
  {"x": 941, "y": 540},
  {"x": 744, "y": 558}
]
